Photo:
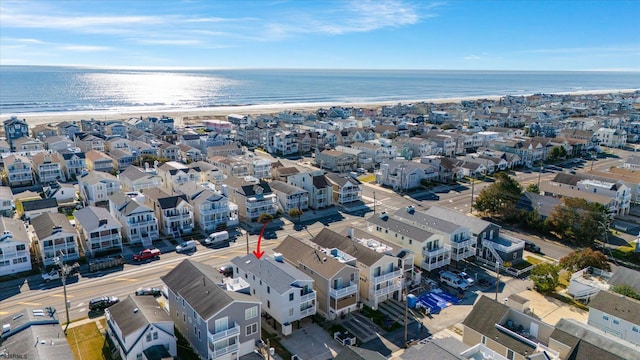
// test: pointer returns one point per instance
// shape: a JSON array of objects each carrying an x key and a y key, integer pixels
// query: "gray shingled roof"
[
  {"x": 18, "y": 231},
  {"x": 43, "y": 224},
  {"x": 89, "y": 218},
  {"x": 472, "y": 223},
  {"x": 432, "y": 222},
  {"x": 148, "y": 312},
  {"x": 625, "y": 276},
  {"x": 198, "y": 283},
  {"x": 342, "y": 179},
  {"x": 284, "y": 187},
  {"x": 587, "y": 342},
  {"x": 280, "y": 276},
  {"x": 297, "y": 252},
  {"x": 400, "y": 227},
  {"x": 40, "y": 204},
  {"x": 329, "y": 239},
  {"x": 617, "y": 305}
]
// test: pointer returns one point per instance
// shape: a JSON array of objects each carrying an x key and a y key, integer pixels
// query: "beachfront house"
[
  {"x": 15, "y": 255},
  {"x": 285, "y": 292},
  {"x": 15, "y": 128},
  {"x": 139, "y": 223},
  {"x": 334, "y": 280},
  {"x": 57, "y": 238},
  {"x": 217, "y": 323},
  {"x": 99, "y": 231}
]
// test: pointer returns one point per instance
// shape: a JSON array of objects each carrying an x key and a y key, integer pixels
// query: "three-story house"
[
  {"x": 15, "y": 256},
  {"x": 99, "y": 230},
  {"x": 139, "y": 223},
  {"x": 57, "y": 238},
  {"x": 173, "y": 211}
]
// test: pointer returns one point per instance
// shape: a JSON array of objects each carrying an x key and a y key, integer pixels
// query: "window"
[
  {"x": 251, "y": 329},
  {"x": 510, "y": 354},
  {"x": 139, "y": 356},
  {"x": 616, "y": 321},
  {"x": 410, "y": 242},
  {"x": 484, "y": 340},
  {"x": 269, "y": 304},
  {"x": 291, "y": 312},
  {"x": 250, "y": 313},
  {"x": 148, "y": 336},
  {"x": 268, "y": 290},
  {"x": 605, "y": 317},
  {"x": 291, "y": 297}
]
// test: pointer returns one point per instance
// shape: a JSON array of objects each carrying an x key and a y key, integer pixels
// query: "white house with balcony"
[
  {"x": 139, "y": 223},
  {"x": 259, "y": 167},
  {"x": 96, "y": 187},
  {"x": 335, "y": 281},
  {"x": 616, "y": 190},
  {"x": 219, "y": 324},
  {"x": 99, "y": 230},
  {"x": 15, "y": 256},
  {"x": 19, "y": 170},
  {"x": 615, "y": 138},
  {"x": 346, "y": 188},
  {"x": 210, "y": 208},
  {"x": 286, "y": 293},
  {"x": 316, "y": 184},
  {"x": 57, "y": 238},
  {"x": 380, "y": 277},
  {"x": 136, "y": 179},
  {"x": 139, "y": 328},
  {"x": 7, "y": 203},
  {"x": 616, "y": 315},
  {"x": 173, "y": 211},
  {"x": 49, "y": 166},
  {"x": 174, "y": 174},
  {"x": 284, "y": 143},
  {"x": 74, "y": 162},
  {"x": 289, "y": 196},
  {"x": 253, "y": 197}
]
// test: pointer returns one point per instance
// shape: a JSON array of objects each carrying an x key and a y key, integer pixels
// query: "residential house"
[
  {"x": 96, "y": 187},
  {"x": 99, "y": 230},
  {"x": 7, "y": 204},
  {"x": 122, "y": 158},
  {"x": 117, "y": 143},
  {"x": 169, "y": 151},
  {"x": 290, "y": 197},
  {"x": 135, "y": 179},
  {"x": 615, "y": 138},
  {"x": 335, "y": 281},
  {"x": 616, "y": 315},
  {"x": 68, "y": 129},
  {"x": 57, "y": 238},
  {"x": 58, "y": 143},
  {"x": 560, "y": 190},
  {"x": 49, "y": 166},
  {"x": 174, "y": 174},
  {"x": 403, "y": 175},
  {"x": 208, "y": 172},
  {"x": 259, "y": 167},
  {"x": 224, "y": 150},
  {"x": 99, "y": 161},
  {"x": 15, "y": 256},
  {"x": 74, "y": 163},
  {"x": 33, "y": 208},
  {"x": 139, "y": 223},
  {"x": 28, "y": 145},
  {"x": 230, "y": 166},
  {"x": 363, "y": 160},
  {"x": 34, "y": 334},
  {"x": 142, "y": 148},
  {"x": 509, "y": 332},
  {"x": 87, "y": 142},
  {"x": 336, "y": 161},
  {"x": 44, "y": 131},
  {"x": 5, "y": 148},
  {"x": 253, "y": 198},
  {"x": 380, "y": 277},
  {"x": 281, "y": 173},
  {"x": 189, "y": 153},
  {"x": 174, "y": 213},
  {"x": 14, "y": 129},
  {"x": 346, "y": 188},
  {"x": 316, "y": 184},
  {"x": 140, "y": 328},
  {"x": 378, "y": 153},
  {"x": 19, "y": 170},
  {"x": 285, "y": 292},
  {"x": 284, "y": 143},
  {"x": 191, "y": 139},
  {"x": 218, "y": 324},
  {"x": 210, "y": 209},
  {"x": 627, "y": 176}
]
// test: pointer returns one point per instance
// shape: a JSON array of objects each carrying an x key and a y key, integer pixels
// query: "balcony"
[
  {"x": 308, "y": 296},
  {"x": 345, "y": 291},
  {"x": 388, "y": 290},
  {"x": 232, "y": 331},
  {"x": 308, "y": 311},
  {"x": 216, "y": 353},
  {"x": 396, "y": 273},
  {"x": 177, "y": 217},
  {"x": 505, "y": 244}
]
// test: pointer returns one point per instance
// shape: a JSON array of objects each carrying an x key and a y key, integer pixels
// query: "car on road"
[
  {"x": 464, "y": 276},
  {"x": 217, "y": 238},
  {"x": 101, "y": 303},
  {"x": 269, "y": 235},
  {"x": 147, "y": 254},
  {"x": 186, "y": 246},
  {"x": 531, "y": 246},
  {"x": 148, "y": 291},
  {"x": 226, "y": 270}
]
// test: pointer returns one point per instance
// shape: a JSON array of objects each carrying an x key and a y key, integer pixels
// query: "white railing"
[
  {"x": 225, "y": 350},
  {"x": 309, "y": 296},
  {"x": 388, "y": 290},
  {"x": 348, "y": 290},
  {"x": 389, "y": 276},
  {"x": 235, "y": 330},
  {"x": 308, "y": 311}
]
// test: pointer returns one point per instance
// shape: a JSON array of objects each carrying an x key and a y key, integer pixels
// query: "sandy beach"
[{"x": 194, "y": 116}]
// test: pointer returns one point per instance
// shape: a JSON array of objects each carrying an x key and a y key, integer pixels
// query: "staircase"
[{"x": 586, "y": 294}]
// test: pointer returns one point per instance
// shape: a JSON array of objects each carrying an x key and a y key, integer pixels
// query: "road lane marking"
[
  {"x": 3, "y": 312},
  {"x": 62, "y": 295},
  {"x": 169, "y": 266},
  {"x": 125, "y": 279},
  {"x": 29, "y": 303}
]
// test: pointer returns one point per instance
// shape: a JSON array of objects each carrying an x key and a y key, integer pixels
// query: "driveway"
[{"x": 311, "y": 342}]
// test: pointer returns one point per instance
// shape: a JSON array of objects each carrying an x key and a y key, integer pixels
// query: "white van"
[
  {"x": 186, "y": 246},
  {"x": 452, "y": 280},
  {"x": 217, "y": 238}
]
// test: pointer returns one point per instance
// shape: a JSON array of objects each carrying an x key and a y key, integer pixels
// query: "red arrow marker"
[{"x": 257, "y": 252}]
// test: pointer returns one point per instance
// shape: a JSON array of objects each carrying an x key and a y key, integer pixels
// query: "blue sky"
[{"x": 397, "y": 34}]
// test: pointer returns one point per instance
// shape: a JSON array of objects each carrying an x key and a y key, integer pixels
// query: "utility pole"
[
  {"x": 539, "y": 175},
  {"x": 497, "y": 278},
  {"x": 246, "y": 232},
  {"x": 374, "y": 203},
  {"x": 63, "y": 271},
  {"x": 406, "y": 313},
  {"x": 472, "y": 190}
]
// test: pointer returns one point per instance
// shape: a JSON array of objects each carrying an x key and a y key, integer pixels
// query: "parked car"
[
  {"x": 269, "y": 235},
  {"x": 147, "y": 254},
  {"x": 148, "y": 291},
  {"x": 466, "y": 277},
  {"x": 531, "y": 246},
  {"x": 226, "y": 270},
  {"x": 217, "y": 238},
  {"x": 452, "y": 280},
  {"x": 186, "y": 246},
  {"x": 101, "y": 303}
]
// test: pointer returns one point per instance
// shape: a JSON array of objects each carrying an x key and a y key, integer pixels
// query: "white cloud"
[
  {"x": 472, "y": 57},
  {"x": 580, "y": 50},
  {"x": 85, "y": 48},
  {"x": 168, "y": 41}
]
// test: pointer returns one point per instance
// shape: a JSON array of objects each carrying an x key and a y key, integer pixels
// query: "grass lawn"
[
  {"x": 367, "y": 178},
  {"x": 564, "y": 279},
  {"x": 533, "y": 261},
  {"x": 86, "y": 342},
  {"x": 522, "y": 265}
]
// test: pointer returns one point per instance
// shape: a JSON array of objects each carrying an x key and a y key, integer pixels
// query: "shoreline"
[{"x": 179, "y": 115}]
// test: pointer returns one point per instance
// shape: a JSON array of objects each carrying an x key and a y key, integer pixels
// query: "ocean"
[{"x": 40, "y": 90}]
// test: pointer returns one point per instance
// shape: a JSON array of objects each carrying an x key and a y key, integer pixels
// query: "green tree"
[
  {"x": 578, "y": 221},
  {"x": 295, "y": 213},
  {"x": 264, "y": 218},
  {"x": 140, "y": 160},
  {"x": 533, "y": 188},
  {"x": 626, "y": 290},
  {"x": 545, "y": 276},
  {"x": 557, "y": 153},
  {"x": 499, "y": 198},
  {"x": 586, "y": 257}
]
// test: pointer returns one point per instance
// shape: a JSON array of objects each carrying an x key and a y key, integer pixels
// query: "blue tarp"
[{"x": 437, "y": 301}]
